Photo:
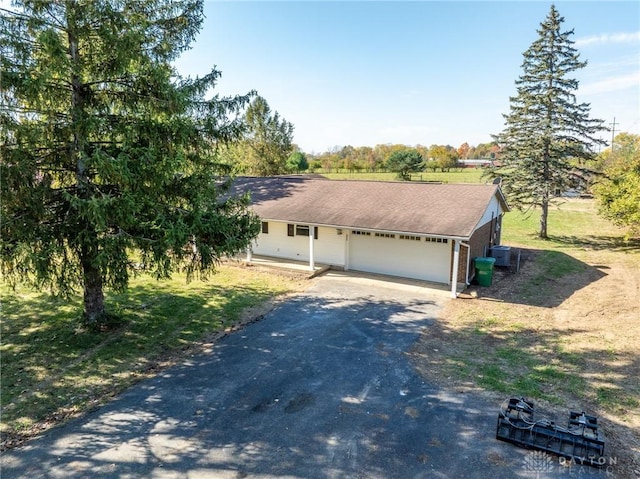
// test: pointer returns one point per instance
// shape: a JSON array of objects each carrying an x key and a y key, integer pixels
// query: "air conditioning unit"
[{"x": 502, "y": 254}]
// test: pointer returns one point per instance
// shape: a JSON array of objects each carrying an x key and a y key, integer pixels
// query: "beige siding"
[{"x": 329, "y": 248}]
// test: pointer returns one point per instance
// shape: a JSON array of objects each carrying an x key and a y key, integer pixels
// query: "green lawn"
[
  {"x": 573, "y": 225},
  {"x": 466, "y": 175},
  {"x": 563, "y": 331},
  {"x": 52, "y": 367}
]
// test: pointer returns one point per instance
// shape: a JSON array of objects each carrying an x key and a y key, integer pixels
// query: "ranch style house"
[{"x": 423, "y": 231}]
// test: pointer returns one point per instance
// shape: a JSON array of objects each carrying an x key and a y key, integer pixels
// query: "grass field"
[
  {"x": 563, "y": 331},
  {"x": 582, "y": 251},
  {"x": 52, "y": 368},
  {"x": 466, "y": 175}
]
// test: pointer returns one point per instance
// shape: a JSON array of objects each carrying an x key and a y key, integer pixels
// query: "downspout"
[{"x": 491, "y": 233}]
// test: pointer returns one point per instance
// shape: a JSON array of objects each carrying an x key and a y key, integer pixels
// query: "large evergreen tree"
[
  {"x": 547, "y": 133},
  {"x": 404, "y": 162},
  {"x": 107, "y": 152}
]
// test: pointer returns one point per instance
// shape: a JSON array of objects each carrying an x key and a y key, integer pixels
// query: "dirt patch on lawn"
[{"x": 564, "y": 331}]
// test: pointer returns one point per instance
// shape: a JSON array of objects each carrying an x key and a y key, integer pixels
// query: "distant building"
[{"x": 477, "y": 163}]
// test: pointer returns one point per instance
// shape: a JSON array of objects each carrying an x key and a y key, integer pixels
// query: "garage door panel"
[{"x": 422, "y": 259}]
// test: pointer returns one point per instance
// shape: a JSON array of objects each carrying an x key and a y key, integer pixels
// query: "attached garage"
[
  {"x": 409, "y": 256},
  {"x": 414, "y": 230}
]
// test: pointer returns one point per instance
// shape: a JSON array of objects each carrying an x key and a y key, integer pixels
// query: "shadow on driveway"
[{"x": 320, "y": 388}]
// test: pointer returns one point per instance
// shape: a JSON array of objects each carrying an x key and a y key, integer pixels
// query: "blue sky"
[{"x": 367, "y": 73}]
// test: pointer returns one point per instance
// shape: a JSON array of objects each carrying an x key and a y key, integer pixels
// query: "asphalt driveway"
[{"x": 320, "y": 388}]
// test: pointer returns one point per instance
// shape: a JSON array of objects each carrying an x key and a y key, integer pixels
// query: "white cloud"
[
  {"x": 607, "y": 38},
  {"x": 615, "y": 83}
]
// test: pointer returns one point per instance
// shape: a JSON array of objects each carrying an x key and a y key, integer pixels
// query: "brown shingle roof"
[{"x": 419, "y": 208}]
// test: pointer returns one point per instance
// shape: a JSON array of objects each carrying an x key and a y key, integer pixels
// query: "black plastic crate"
[{"x": 579, "y": 441}]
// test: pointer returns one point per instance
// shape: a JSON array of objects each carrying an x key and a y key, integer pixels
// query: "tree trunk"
[
  {"x": 543, "y": 218},
  {"x": 94, "y": 312},
  {"x": 547, "y": 184}
]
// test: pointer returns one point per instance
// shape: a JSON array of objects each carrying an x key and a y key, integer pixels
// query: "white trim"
[
  {"x": 347, "y": 240},
  {"x": 312, "y": 234},
  {"x": 454, "y": 272},
  {"x": 466, "y": 274}
]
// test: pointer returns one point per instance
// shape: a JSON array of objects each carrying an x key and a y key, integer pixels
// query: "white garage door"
[{"x": 398, "y": 255}]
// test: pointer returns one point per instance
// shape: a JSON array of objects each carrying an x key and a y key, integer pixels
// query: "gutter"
[{"x": 372, "y": 230}]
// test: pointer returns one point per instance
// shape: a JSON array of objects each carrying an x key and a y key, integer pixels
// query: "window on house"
[
  {"x": 437, "y": 240},
  {"x": 265, "y": 227},
  {"x": 409, "y": 237},
  {"x": 360, "y": 233},
  {"x": 301, "y": 230},
  {"x": 385, "y": 235}
]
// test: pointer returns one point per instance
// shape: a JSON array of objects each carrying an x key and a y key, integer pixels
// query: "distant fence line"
[{"x": 381, "y": 170}]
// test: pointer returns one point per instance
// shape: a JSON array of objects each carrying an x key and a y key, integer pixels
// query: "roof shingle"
[{"x": 404, "y": 207}]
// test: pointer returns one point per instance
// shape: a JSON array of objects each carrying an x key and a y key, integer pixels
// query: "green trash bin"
[{"x": 484, "y": 270}]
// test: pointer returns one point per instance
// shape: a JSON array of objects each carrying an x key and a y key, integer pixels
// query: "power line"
[{"x": 613, "y": 131}]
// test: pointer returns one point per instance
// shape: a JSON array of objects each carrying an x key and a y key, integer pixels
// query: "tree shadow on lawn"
[
  {"x": 599, "y": 242},
  {"x": 264, "y": 189},
  {"x": 52, "y": 367},
  {"x": 543, "y": 278},
  {"x": 321, "y": 388},
  {"x": 532, "y": 363}
]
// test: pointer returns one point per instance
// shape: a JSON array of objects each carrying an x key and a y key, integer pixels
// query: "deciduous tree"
[
  {"x": 618, "y": 191},
  {"x": 268, "y": 140},
  {"x": 546, "y": 129},
  {"x": 444, "y": 157},
  {"x": 463, "y": 150},
  {"x": 106, "y": 150},
  {"x": 297, "y": 162}
]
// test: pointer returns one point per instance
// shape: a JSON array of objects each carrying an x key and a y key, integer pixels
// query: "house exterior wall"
[
  {"x": 272, "y": 243},
  {"x": 428, "y": 259},
  {"x": 489, "y": 233},
  {"x": 481, "y": 239},
  {"x": 492, "y": 212},
  {"x": 329, "y": 248}
]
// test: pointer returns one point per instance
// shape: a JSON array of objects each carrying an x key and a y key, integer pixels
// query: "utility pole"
[{"x": 613, "y": 131}]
